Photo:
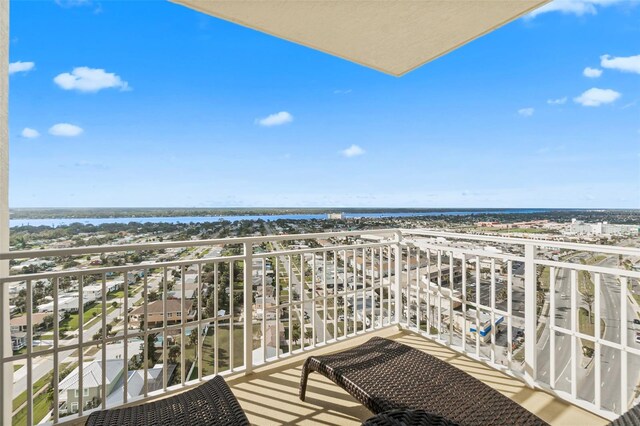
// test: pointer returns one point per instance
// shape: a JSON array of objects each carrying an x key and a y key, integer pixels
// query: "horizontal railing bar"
[
  {"x": 521, "y": 241},
  {"x": 592, "y": 339},
  {"x": 590, "y": 268},
  {"x": 186, "y": 243},
  {"x": 482, "y": 253},
  {"x": 268, "y": 254},
  {"x": 117, "y": 269}
]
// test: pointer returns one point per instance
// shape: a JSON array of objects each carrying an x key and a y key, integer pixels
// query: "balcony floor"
[{"x": 270, "y": 395}]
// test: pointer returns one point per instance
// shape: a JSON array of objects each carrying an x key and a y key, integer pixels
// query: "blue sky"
[{"x": 148, "y": 103}]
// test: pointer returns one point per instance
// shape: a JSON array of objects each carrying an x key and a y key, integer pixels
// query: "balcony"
[{"x": 518, "y": 314}]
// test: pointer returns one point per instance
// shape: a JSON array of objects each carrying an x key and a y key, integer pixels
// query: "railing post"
[
  {"x": 530, "y": 314},
  {"x": 6, "y": 369},
  {"x": 248, "y": 307},
  {"x": 397, "y": 286}
]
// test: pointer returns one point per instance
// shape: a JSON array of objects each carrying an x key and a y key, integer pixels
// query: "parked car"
[
  {"x": 638, "y": 337},
  {"x": 636, "y": 321}
]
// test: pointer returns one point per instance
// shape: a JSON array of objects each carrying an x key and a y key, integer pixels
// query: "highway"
[{"x": 610, "y": 358}]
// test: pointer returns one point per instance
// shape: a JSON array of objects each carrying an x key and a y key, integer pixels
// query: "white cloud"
[
  {"x": 592, "y": 72},
  {"x": 65, "y": 129},
  {"x": 352, "y": 151},
  {"x": 575, "y": 7},
  {"x": 624, "y": 64},
  {"x": 342, "y": 91},
  {"x": 29, "y": 133},
  {"x": 85, "y": 79},
  {"x": 20, "y": 66},
  {"x": 277, "y": 119},
  {"x": 526, "y": 112},
  {"x": 595, "y": 97},
  {"x": 559, "y": 101}
]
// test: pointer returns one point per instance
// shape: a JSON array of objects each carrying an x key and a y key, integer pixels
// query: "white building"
[
  {"x": 578, "y": 227},
  {"x": 66, "y": 303}
]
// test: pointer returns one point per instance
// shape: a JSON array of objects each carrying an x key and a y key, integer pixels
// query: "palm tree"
[
  {"x": 295, "y": 333},
  {"x": 589, "y": 299}
]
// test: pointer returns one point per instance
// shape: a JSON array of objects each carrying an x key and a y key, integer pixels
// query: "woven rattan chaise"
[
  {"x": 386, "y": 375},
  {"x": 211, "y": 403}
]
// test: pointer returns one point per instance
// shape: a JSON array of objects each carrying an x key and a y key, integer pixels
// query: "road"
[
  {"x": 610, "y": 357},
  {"x": 610, "y": 310},
  {"x": 562, "y": 349}
]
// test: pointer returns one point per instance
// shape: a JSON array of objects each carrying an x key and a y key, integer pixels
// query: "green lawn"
[
  {"x": 587, "y": 327},
  {"x": 90, "y": 317},
  {"x": 633, "y": 294},
  {"x": 545, "y": 278},
  {"x": 585, "y": 284},
  {"x": 120, "y": 293},
  {"x": 21, "y": 399},
  {"x": 97, "y": 318},
  {"x": 41, "y": 407},
  {"x": 223, "y": 349},
  {"x": 35, "y": 349},
  {"x": 17, "y": 367},
  {"x": 526, "y": 230},
  {"x": 71, "y": 323},
  {"x": 115, "y": 295},
  {"x": 519, "y": 356}
]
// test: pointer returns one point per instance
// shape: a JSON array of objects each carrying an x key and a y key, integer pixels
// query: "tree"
[
  {"x": 588, "y": 299},
  {"x": 193, "y": 337},
  {"x": 471, "y": 295},
  {"x": 502, "y": 295},
  {"x": 210, "y": 310},
  {"x": 47, "y": 322},
  {"x": 308, "y": 334},
  {"x": 151, "y": 353},
  {"x": 295, "y": 333},
  {"x": 174, "y": 352}
]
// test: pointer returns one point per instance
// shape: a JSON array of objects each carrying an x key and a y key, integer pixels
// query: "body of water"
[{"x": 200, "y": 219}]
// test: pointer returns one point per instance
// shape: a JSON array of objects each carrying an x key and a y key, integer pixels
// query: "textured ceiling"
[{"x": 392, "y": 36}]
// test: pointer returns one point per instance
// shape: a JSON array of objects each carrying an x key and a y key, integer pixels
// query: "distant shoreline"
[
  {"x": 133, "y": 213},
  {"x": 97, "y": 221}
]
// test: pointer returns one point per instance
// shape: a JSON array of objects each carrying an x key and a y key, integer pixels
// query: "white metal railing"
[
  {"x": 604, "y": 380},
  {"x": 514, "y": 305}
]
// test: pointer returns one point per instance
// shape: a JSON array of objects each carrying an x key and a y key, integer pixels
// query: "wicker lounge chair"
[
  {"x": 385, "y": 375},
  {"x": 211, "y": 403},
  {"x": 630, "y": 418},
  {"x": 407, "y": 418},
  {"x": 422, "y": 418}
]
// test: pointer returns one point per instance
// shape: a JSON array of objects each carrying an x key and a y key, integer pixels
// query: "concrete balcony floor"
[{"x": 270, "y": 395}]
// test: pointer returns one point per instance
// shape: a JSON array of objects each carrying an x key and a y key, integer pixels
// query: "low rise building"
[
  {"x": 69, "y": 388},
  {"x": 156, "y": 313}
]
